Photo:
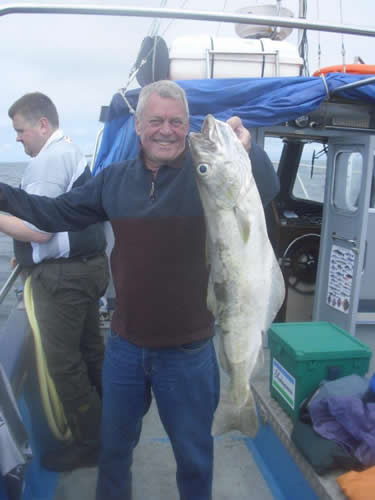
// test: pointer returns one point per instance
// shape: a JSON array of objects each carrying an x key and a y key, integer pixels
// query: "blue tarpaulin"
[{"x": 257, "y": 101}]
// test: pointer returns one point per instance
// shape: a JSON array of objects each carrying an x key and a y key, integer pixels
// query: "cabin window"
[
  {"x": 311, "y": 174},
  {"x": 273, "y": 147},
  {"x": 347, "y": 180}
]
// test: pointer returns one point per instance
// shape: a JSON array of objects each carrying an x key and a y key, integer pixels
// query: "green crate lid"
[{"x": 317, "y": 340}]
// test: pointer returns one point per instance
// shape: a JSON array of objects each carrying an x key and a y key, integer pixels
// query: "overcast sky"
[{"x": 81, "y": 61}]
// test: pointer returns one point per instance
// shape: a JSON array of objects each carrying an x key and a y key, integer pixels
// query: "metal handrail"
[
  {"x": 222, "y": 17},
  {"x": 9, "y": 282},
  {"x": 353, "y": 85}
]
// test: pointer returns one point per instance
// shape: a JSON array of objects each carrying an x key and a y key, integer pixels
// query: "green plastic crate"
[{"x": 304, "y": 354}]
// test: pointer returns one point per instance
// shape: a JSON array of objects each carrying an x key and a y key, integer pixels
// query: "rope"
[
  {"x": 174, "y": 20},
  {"x": 322, "y": 76},
  {"x": 50, "y": 400},
  {"x": 153, "y": 31}
]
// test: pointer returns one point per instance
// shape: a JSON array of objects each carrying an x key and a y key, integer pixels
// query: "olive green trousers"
[{"x": 66, "y": 295}]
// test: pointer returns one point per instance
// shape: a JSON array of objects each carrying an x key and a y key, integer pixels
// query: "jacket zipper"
[{"x": 152, "y": 191}]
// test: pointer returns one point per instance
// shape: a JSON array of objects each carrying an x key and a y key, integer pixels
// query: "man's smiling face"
[{"x": 162, "y": 129}]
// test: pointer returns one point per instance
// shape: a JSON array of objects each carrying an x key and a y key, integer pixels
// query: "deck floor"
[{"x": 236, "y": 475}]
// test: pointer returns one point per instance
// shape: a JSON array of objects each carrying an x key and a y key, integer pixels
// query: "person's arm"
[
  {"x": 72, "y": 211},
  {"x": 265, "y": 176},
  {"x": 18, "y": 230}
]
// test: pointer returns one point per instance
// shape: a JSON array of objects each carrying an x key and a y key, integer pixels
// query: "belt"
[{"x": 80, "y": 258}]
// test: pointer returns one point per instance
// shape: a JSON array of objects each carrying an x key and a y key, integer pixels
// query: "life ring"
[{"x": 359, "y": 69}]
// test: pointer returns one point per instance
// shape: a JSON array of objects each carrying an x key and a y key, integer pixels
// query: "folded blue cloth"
[{"x": 348, "y": 421}]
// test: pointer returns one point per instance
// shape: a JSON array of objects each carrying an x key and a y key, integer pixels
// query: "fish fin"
[
  {"x": 229, "y": 417},
  {"x": 243, "y": 222},
  {"x": 237, "y": 409}
]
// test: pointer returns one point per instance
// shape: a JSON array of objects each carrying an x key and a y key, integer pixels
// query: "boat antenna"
[
  {"x": 319, "y": 47},
  {"x": 303, "y": 46},
  {"x": 342, "y": 41}
]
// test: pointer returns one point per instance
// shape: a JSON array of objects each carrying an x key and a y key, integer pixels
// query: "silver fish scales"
[{"x": 246, "y": 286}]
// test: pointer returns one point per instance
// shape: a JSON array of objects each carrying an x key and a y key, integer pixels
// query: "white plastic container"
[{"x": 202, "y": 56}]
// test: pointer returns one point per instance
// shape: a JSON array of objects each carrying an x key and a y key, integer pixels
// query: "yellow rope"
[{"x": 50, "y": 400}]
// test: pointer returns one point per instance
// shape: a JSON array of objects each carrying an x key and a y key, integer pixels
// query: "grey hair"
[{"x": 162, "y": 88}]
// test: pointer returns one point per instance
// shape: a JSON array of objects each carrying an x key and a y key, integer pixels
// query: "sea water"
[{"x": 10, "y": 173}]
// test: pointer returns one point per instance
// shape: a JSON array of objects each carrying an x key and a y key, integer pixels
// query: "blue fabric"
[
  {"x": 181, "y": 380},
  {"x": 257, "y": 101},
  {"x": 348, "y": 421}
]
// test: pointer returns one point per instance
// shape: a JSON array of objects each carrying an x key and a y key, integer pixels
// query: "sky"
[{"x": 81, "y": 61}]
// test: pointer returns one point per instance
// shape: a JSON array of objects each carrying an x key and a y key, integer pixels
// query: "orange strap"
[{"x": 362, "y": 69}]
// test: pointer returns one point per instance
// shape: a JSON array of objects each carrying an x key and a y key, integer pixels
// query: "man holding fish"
[{"x": 161, "y": 332}]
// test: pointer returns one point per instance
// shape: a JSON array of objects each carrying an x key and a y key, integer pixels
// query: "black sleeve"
[
  {"x": 264, "y": 174},
  {"x": 71, "y": 211}
]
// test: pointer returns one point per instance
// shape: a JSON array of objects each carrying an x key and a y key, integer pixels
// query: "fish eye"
[{"x": 202, "y": 168}]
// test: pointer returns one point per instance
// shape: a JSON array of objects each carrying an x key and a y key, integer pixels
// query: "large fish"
[{"x": 246, "y": 286}]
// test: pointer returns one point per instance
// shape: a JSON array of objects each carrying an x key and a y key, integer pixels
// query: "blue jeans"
[{"x": 186, "y": 386}]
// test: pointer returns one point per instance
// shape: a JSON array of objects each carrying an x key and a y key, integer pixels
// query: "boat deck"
[
  {"x": 241, "y": 468},
  {"x": 235, "y": 474},
  {"x": 240, "y": 471}
]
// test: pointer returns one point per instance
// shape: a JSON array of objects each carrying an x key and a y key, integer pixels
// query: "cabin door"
[{"x": 344, "y": 226}]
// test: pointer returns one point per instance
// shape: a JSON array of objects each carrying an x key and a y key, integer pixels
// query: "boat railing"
[
  {"x": 9, "y": 282},
  {"x": 197, "y": 15},
  {"x": 353, "y": 85}
]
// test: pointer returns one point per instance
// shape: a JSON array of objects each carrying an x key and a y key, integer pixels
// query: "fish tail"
[{"x": 230, "y": 417}]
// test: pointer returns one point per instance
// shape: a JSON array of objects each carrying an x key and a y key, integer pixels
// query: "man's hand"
[{"x": 241, "y": 132}]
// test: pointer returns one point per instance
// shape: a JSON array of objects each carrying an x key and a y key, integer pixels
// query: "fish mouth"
[
  {"x": 208, "y": 126},
  {"x": 203, "y": 141}
]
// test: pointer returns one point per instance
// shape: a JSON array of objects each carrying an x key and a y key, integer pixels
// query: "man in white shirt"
[{"x": 69, "y": 273}]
